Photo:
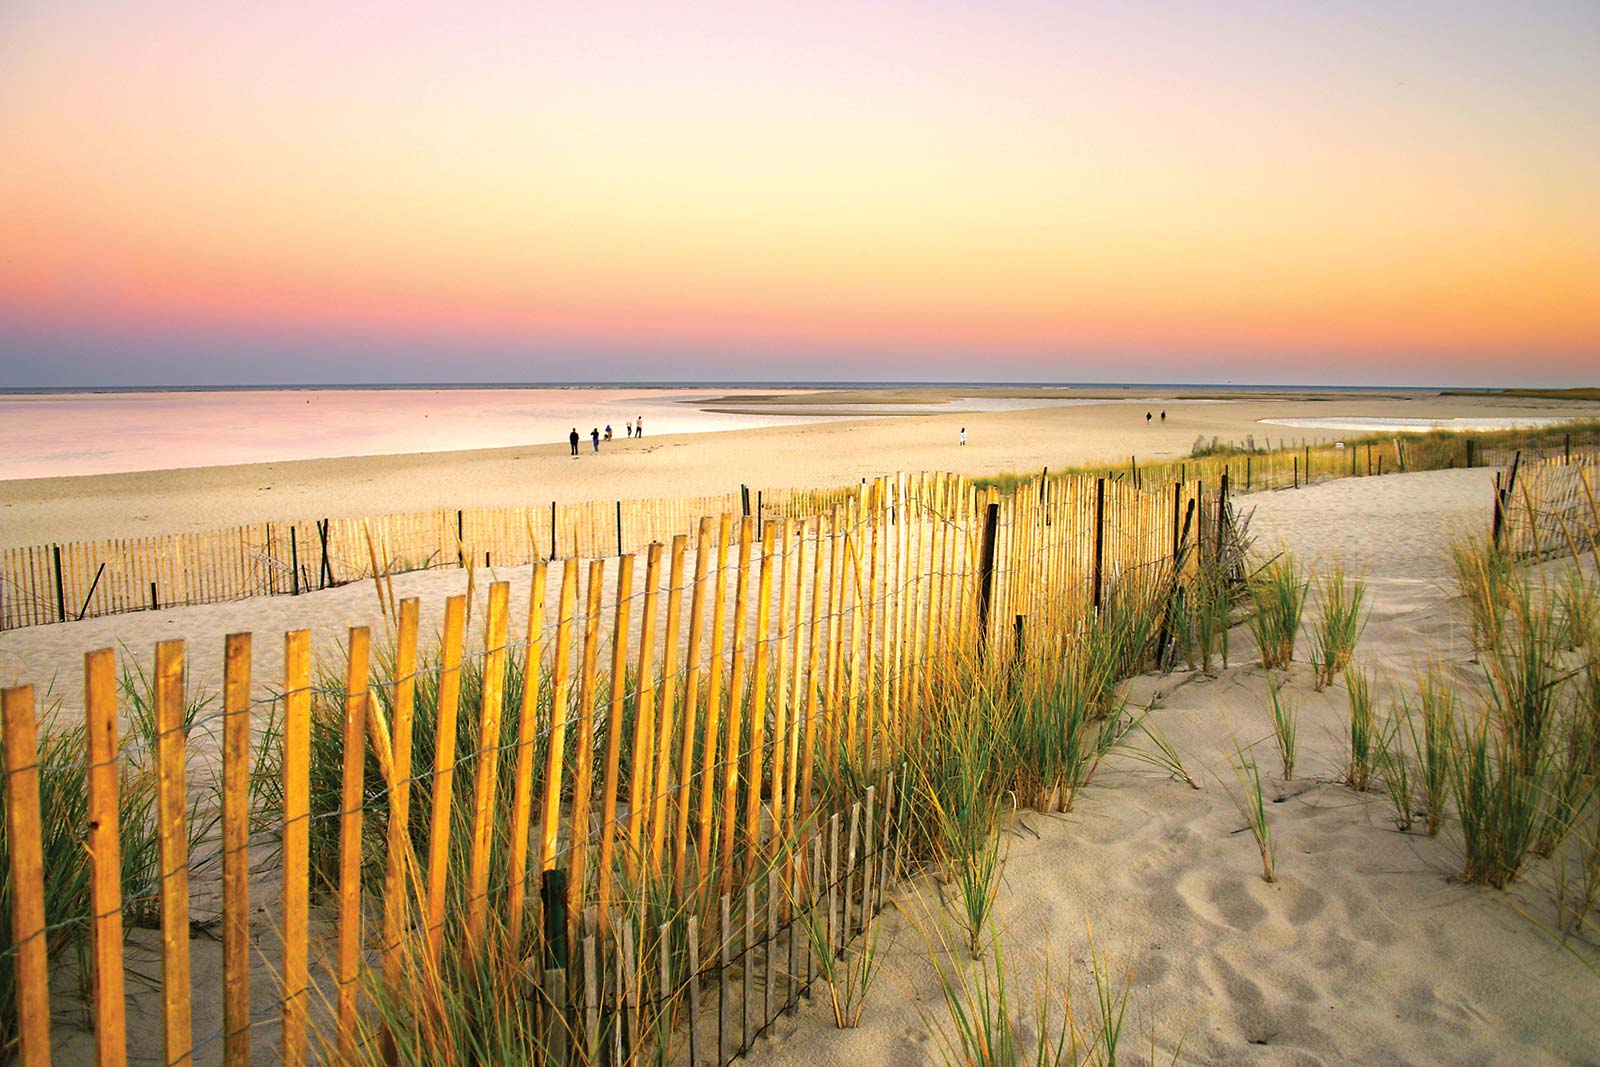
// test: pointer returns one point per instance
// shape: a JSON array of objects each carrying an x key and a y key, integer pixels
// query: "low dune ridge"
[{"x": 1366, "y": 950}]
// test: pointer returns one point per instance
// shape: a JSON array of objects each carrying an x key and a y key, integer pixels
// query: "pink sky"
[{"x": 231, "y": 192}]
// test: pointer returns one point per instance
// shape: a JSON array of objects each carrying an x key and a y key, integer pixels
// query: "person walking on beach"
[
  {"x": 594, "y": 435},
  {"x": 573, "y": 438},
  {"x": 1163, "y": 416},
  {"x": 630, "y": 427},
  {"x": 963, "y": 435},
  {"x": 638, "y": 426},
  {"x": 608, "y": 431},
  {"x": 1147, "y": 418}
]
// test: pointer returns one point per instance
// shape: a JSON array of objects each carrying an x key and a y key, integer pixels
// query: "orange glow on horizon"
[{"x": 1041, "y": 200}]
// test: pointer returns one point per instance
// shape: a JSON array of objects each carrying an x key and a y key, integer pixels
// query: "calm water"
[
  {"x": 99, "y": 433},
  {"x": 1418, "y": 425},
  {"x": 56, "y": 434}
]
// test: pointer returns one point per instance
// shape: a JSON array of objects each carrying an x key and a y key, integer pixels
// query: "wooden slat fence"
[
  {"x": 1548, "y": 507},
  {"x": 51, "y": 583},
  {"x": 650, "y": 857}
]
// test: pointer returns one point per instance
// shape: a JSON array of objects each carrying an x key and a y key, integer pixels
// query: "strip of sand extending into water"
[{"x": 44, "y": 510}]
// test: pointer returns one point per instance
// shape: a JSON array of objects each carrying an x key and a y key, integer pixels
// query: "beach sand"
[
  {"x": 45, "y": 510},
  {"x": 1364, "y": 951}
]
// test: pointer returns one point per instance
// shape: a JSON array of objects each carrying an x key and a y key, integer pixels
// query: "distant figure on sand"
[
  {"x": 638, "y": 426},
  {"x": 1163, "y": 416},
  {"x": 963, "y": 435},
  {"x": 608, "y": 431},
  {"x": 594, "y": 434},
  {"x": 574, "y": 439},
  {"x": 630, "y": 427},
  {"x": 1147, "y": 418}
]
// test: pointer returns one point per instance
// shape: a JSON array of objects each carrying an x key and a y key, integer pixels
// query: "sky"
[{"x": 232, "y": 192}]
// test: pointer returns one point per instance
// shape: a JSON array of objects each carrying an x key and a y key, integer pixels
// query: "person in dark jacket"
[
  {"x": 573, "y": 438},
  {"x": 595, "y": 435}
]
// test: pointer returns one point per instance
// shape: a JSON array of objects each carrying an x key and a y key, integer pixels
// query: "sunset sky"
[{"x": 1031, "y": 190}]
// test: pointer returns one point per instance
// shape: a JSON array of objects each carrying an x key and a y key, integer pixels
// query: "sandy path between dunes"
[{"x": 1364, "y": 951}]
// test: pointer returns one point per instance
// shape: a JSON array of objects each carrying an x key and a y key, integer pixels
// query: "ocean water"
[
  {"x": 54, "y": 434},
  {"x": 77, "y": 433},
  {"x": 1375, "y": 425}
]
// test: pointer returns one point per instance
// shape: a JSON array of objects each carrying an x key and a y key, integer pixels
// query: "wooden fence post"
[
  {"x": 552, "y": 529},
  {"x": 296, "y": 841},
  {"x": 294, "y": 558},
  {"x": 444, "y": 770},
  {"x": 236, "y": 850},
  {"x": 350, "y": 846},
  {"x": 105, "y": 858},
  {"x": 487, "y": 780},
  {"x": 172, "y": 807},
  {"x": 24, "y": 828}
]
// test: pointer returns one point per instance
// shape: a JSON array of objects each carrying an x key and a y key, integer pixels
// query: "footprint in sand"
[
  {"x": 1303, "y": 904},
  {"x": 1225, "y": 903}
]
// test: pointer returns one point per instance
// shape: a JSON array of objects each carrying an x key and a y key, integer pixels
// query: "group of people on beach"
[{"x": 635, "y": 428}]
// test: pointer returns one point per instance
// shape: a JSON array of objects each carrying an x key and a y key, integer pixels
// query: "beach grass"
[
  {"x": 1486, "y": 578},
  {"x": 1285, "y": 725},
  {"x": 1436, "y": 700},
  {"x": 1396, "y": 767},
  {"x": 1251, "y": 802},
  {"x": 1278, "y": 597},
  {"x": 1339, "y": 624},
  {"x": 1361, "y": 732}
]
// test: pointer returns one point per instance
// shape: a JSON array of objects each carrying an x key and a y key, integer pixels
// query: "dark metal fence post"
[
  {"x": 1499, "y": 505},
  {"x": 1177, "y": 506},
  {"x": 61, "y": 593},
  {"x": 1099, "y": 535},
  {"x": 1017, "y": 650},
  {"x": 991, "y": 527},
  {"x": 553, "y": 894},
  {"x": 1222, "y": 511}
]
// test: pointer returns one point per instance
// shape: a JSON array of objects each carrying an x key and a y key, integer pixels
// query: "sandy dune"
[{"x": 1364, "y": 952}]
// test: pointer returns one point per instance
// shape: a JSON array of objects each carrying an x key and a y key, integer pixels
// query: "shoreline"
[{"x": 799, "y": 455}]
